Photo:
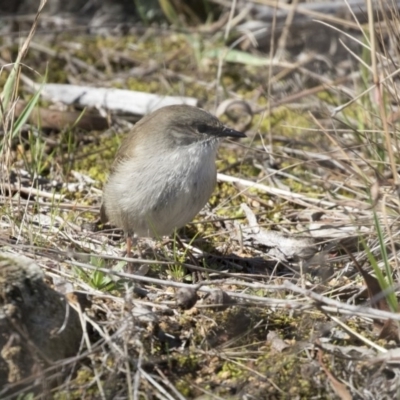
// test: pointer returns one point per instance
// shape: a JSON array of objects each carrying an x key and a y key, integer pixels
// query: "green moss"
[
  {"x": 142, "y": 85},
  {"x": 97, "y": 163}
]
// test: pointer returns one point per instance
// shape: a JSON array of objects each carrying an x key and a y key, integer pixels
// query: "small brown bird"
[{"x": 164, "y": 172}]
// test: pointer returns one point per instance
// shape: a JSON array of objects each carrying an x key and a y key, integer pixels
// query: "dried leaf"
[{"x": 339, "y": 387}]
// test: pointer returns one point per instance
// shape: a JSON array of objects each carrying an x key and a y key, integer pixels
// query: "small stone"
[
  {"x": 186, "y": 297},
  {"x": 37, "y": 324},
  {"x": 220, "y": 299}
]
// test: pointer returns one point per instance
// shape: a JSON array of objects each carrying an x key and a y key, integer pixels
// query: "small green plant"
[
  {"x": 69, "y": 137},
  {"x": 27, "y": 396},
  {"x": 170, "y": 12},
  {"x": 177, "y": 270},
  {"x": 100, "y": 280},
  {"x": 385, "y": 280}
]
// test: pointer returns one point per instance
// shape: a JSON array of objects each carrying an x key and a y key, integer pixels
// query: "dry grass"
[{"x": 320, "y": 161}]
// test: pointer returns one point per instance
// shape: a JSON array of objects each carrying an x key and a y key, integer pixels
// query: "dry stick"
[
  {"x": 252, "y": 370},
  {"x": 269, "y": 105},
  {"x": 390, "y": 234},
  {"x": 357, "y": 57},
  {"x": 65, "y": 206},
  {"x": 378, "y": 86},
  {"x": 358, "y": 24},
  {"x": 222, "y": 56},
  {"x": 372, "y": 42},
  {"x": 355, "y": 168},
  {"x": 136, "y": 382},
  {"x": 229, "y": 24},
  {"x": 331, "y": 305},
  {"x": 304, "y": 93},
  {"x": 285, "y": 31},
  {"x": 338, "y": 387},
  {"x": 343, "y": 106},
  {"x": 384, "y": 120},
  {"x": 359, "y": 42},
  {"x": 207, "y": 393},
  {"x": 155, "y": 384},
  {"x": 89, "y": 347},
  {"x": 308, "y": 12},
  {"x": 128, "y": 371},
  {"x": 288, "y": 70},
  {"x": 31, "y": 191},
  {"x": 168, "y": 383},
  {"x": 290, "y": 196},
  {"x": 357, "y": 335},
  {"x": 34, "y": 251},
  {"x": 341, "y": 307}
]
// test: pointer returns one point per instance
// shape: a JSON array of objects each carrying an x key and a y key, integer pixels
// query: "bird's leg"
[
  {"x": 130, "y": 242},
  {"x": 129, "y": 246},
  {"x": 129, "y": 267}
]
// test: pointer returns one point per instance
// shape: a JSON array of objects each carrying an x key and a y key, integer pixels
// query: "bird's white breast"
[{"x": 154, "y": 195}]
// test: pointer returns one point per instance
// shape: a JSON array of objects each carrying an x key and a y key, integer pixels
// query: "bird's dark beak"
[
  {"x": 228, "y": 132},
  {"x": 219, "y": 131}
]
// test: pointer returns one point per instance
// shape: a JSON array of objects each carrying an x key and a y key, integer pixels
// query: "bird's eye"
[{"x": 203, "y": 128}]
